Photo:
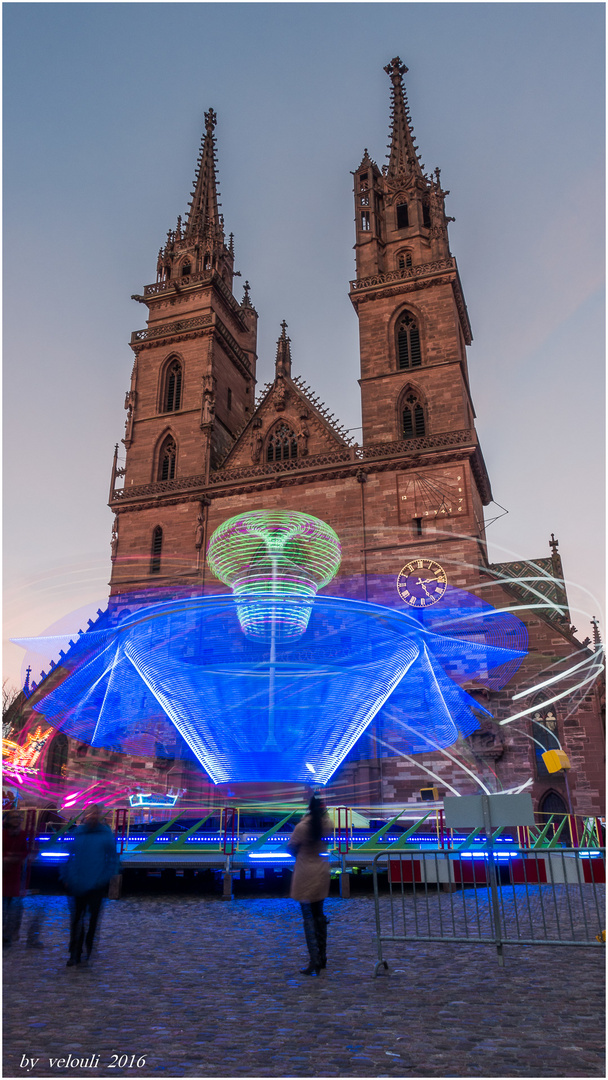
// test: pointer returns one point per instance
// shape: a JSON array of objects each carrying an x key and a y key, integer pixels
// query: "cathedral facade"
[{"x": 201, "y": 446}]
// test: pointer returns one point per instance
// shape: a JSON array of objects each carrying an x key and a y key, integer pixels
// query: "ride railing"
[
  {"x": 521, "y": 896},
  {"x": 360, "y": 831}
]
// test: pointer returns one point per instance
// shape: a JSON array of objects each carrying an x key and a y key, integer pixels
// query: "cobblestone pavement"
[{"x": 192, "y": 986}]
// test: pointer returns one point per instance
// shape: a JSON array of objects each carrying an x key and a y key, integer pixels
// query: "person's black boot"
[
  {"x": 321, "y": 923},
  {"x": 314, "y": 966}
]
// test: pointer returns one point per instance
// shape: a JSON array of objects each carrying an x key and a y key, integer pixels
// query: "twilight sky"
[{"x": 103, "y": 113}]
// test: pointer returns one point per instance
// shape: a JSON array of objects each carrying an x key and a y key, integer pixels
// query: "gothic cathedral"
[{"x": 202, "y": 447}]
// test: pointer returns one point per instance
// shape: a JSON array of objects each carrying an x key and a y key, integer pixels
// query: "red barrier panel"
[
  {"x": 528, "y": 870},
  {"x": 594, "y": 871},
  {"x": 471, "y": 872},
  {"x": 406, "y": 871}
]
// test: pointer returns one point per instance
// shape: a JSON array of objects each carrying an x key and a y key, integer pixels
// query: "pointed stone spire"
[
  {"x": 283, "y": 361},
  {"x": 597, "y": 640},
  {"x": 246, "y": 301},
  {"x": 403, "y": 158},
  {"x": 204, "y": 218}
]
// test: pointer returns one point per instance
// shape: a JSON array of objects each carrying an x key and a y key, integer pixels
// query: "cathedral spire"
[
  {"x": 283, "y": 360},
  {"x": 403, "y": 157},
  {"x": 204, "y": 218}
]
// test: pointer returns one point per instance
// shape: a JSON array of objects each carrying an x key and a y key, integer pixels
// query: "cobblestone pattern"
[{"x": 210, "y": 989}]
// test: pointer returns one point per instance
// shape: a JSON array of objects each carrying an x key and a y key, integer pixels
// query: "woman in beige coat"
[{"x": 310, "y": 881}]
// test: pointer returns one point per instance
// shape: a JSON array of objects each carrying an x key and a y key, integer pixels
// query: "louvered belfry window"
[
  {"x": 282, "y": 444},
  {"x": 414, "y": 424},
  {"x": 157, "y": 544},
  {"x": 402, "y": 216},
  {"x": 173, "y": 392},
  {"x": 408, "y": 342},
  {"x": 168, "y": 454}
]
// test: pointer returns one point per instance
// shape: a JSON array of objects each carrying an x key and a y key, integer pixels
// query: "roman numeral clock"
[{"x": 422, "y": 582}]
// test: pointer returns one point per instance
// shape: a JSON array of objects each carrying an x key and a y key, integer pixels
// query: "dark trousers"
[
  {"x": 79, "y": 906},
  {"x": 12, "y": 914}
]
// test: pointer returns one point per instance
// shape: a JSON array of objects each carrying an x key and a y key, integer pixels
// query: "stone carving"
[
  {"x": 179, "y": 327},
  {"x": 114, "y": 539},
  {"x": 303, "y": 436},
  {"x": 257, "y": 443},
  {"x": 281, "y": 395},
  {"x": 420, "y": 270},
  {"x": 199, "y": 532},
  {"x": 208, "y": 403},
  {"x": 486, "y": 744}
]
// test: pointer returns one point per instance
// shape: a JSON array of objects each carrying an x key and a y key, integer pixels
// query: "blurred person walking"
[
  {"x": 92, "y": 862},
  {"x": 17, "y": 851},
  {"x": 310, "y": 880}
]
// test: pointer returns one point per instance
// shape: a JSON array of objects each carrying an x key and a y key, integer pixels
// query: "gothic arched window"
[
  {"x": 408, "y": 342},
  {"x": 186, "y": 269},
  {"x": 157, "y": 546},
  {"x": 57, "y": 758},
  {"x": 173, "y": 387},
  {"x": 282, "y": 443},
  {"x": 412, "y": 417},
  {"x": 166, "y": 459},
  {"x": 404, "y": 260},
  {"x": 544, "y": 732}
]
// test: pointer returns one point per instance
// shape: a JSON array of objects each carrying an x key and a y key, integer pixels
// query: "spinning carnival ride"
[{"x": 275, "y": 682}]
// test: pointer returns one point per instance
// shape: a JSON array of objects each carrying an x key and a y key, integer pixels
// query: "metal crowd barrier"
[{"x": 528, "y": 897}]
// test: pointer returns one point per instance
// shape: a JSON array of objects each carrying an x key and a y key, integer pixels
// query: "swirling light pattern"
[
  {"x": 290, "y": 710},
  {"x": 279, "y": 553}
]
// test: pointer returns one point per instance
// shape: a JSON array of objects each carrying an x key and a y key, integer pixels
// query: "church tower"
[
  {"x": 414, "y": 329},
  {"x": 192, "y": 388}
]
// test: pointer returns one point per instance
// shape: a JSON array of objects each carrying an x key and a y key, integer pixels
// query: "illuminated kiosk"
[{"x": 275, "y": 683}]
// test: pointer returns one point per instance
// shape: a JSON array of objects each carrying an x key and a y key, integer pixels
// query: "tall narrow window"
[
  {"x": 173, "y": 388},
  {"x": 426, "y": 215},
  {"x": 57, "y": 758},
  {"x": 365, "y": 220},
  {"x": 408, "y": 342},
  {"x": 402, "y": 216},
  {"x": 414, "y": 424},
  {"x": 544, "y": 731},
  {"x": 186, "y": 269},
  {"x": 207, "y": 262},
  {"x": 157, "y": 545},
  {"x": 282, "y": 444},
  {"x": 166, "y": 462}
]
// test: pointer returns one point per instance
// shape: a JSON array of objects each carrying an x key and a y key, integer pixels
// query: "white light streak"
[
  {"x": 558, "y": 697},
  {"x": 554, "y": 678},
  {"x": 418, "y": 765}
]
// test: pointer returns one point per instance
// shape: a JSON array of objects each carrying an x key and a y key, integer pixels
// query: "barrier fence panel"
[{"x": 531, "y": 897}]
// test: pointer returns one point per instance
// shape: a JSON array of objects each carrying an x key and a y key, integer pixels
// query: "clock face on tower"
[{"x": 422, "y": 582}]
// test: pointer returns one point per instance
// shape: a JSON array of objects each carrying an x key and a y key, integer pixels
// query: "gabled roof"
[
  {"x": 286, "y": 398},
  {"x": 533, "y": 582}
]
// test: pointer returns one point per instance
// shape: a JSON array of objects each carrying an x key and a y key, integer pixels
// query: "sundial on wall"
[{"x": 431, "y": 495}]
